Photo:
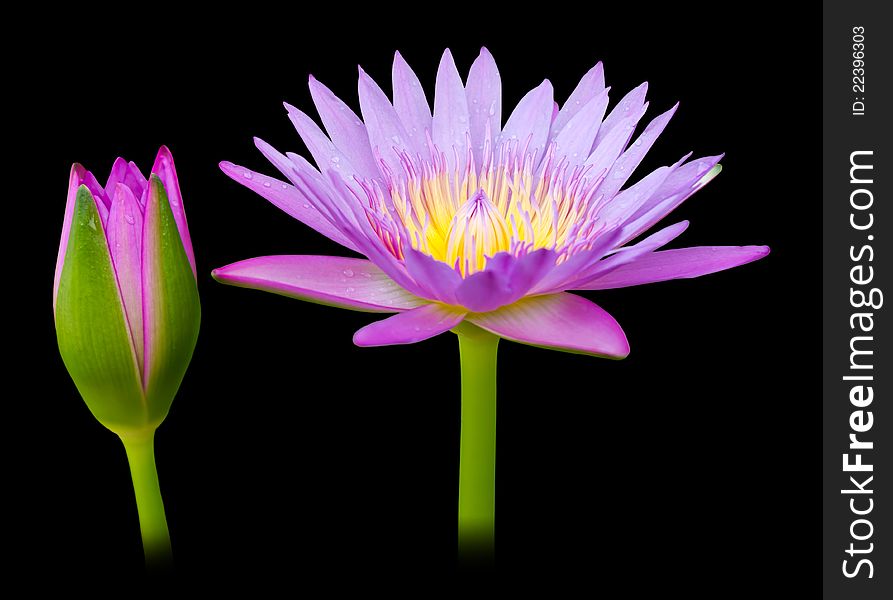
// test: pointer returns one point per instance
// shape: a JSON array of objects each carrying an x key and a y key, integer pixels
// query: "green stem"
[
  {"x": 477, "y": 446},
  {"x": 153, "y": 524}
]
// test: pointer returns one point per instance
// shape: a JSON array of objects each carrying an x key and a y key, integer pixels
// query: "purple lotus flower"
[
  {"x": 463, "y": 218},
  {"x": 480, "y": 228}
]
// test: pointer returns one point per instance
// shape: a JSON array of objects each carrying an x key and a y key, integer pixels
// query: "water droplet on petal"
[
  {"x": 348, "y": 272},
  {"x": 284, "y": 186},
  {"x": 492, "y": 110},
  {"x": 247, "y": 175},
  {"x": 129, "y": 219},
  {"x": 357, "y": 122},
  {"x": 350, "y": 290},
  {"x": 417, "y": 328},
  {"x": 367, "y": 275},
  {"x": 638, "y": 142},
  {"x": 306, "y": 205},
  {"x": 395, "y": 139},
  {"x": 618, "y": 174},
  {"x": 475, "y": 101},
  {"x": 266, "y": 184},
  {"x": 336, "y": 159}
]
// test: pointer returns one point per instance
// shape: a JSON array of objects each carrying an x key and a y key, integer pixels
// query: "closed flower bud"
[{"x": 125, "y": 298}]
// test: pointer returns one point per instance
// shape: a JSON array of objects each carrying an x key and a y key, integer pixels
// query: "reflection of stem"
[
  {"x": 477, "y": 446},
  {"x": 153, "y": 525}
]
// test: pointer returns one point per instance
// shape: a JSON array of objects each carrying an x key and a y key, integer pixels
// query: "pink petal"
[
  {"x": 350, "y": 216},
  {"x": 164, "y": 168},
  {"x": 483, "y": 92},
  {"x": 135, "y": 180},
  {"x": 316, "y": 191},
  {"x": 351, "y": 283},
  {"x": 609, "y": 147},
  {"x": 557, "y": 279},
  {"x": 411, "y": 104},
  {"x": 125, "y": 237},
  {"x": 287, "y": 198},
  {"x": 409, "y": 327},
  {"x": 99, "y": 196},
  {"x": 505, "y": 279},
  {"x": 339, "y": 207},
  {"x": 324, "y": 152},
  {"x": 678, "y": 187},
  {"x": 531, "y": 118},
  {"x": 575, "y": 141},
  {"x": 345, "y": 129},
  {"x": 488, "y": 289},
  {"x": 628, "y": 254},
  {"x": 282, "y": 163},
  {"x": 624, "y": 166},
  {"x": 435, "y": 279},
  {"x": 129, "y": 175},
  {"x": 117, "y": 175},
  {"x": 621, "y": 207},
  {"x": 331, "y": 193},
  {"x": 591, "y": 85},
  {"x": 560, "y": 322},
  {"x": 74, "y": 181},
  {"x": 386, "y": 131},
  {"x": 632, "y": 103},
  {"x": 450, "y": 124},
  {"x": 683, "y": 263}
]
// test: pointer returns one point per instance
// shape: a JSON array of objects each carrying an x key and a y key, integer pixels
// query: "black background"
[{"x": 292, "y": 456}]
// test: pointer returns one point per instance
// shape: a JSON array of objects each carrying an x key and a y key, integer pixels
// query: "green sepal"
[
  {"x": 171, "y": 297},
  {"x": 91, "y": 328}
]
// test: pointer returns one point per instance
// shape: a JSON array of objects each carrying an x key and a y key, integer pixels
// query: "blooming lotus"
[
  {"x": 479, "y": 226},
  {"x": 127, "y": 312}
]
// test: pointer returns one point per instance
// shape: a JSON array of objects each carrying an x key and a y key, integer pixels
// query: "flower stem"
[
  {"x": 477, "y": 446},
  {"x": 153, "y": 524}
]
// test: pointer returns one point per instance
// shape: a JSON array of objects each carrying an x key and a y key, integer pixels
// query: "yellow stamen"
[{"x": 465, "y": 216}]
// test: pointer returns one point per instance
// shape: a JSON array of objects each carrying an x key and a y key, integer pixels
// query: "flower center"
[
  {"x": 511, "y": 203},
  {"x": 477, "y": 230}
]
